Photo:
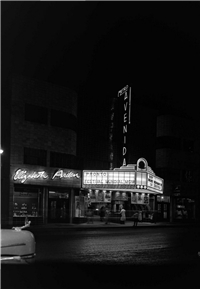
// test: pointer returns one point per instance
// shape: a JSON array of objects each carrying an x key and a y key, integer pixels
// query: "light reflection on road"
[{"x": 106, "y": 247}]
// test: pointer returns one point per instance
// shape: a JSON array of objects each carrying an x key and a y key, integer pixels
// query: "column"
[{"x": 71, "y": 206}]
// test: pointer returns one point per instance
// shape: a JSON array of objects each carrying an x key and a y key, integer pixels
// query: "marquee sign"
[
  {"x": 108, "y": 179},
  {"x": 124, "y": 178},
  {"x": 154, "y": 183}
]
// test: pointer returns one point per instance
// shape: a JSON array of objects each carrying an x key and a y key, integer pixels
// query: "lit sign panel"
[
  {"x": 126, "y": 119},
  {"x": 23, "y": 175},
  {"x": 155, "y": 184},
  {"x": 108, "y": 179}
]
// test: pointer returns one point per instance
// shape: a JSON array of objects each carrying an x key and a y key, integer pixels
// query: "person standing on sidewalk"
[
  {"x": 107, "y": 212},
  {"x": 102, "y": 214},
  {"x": 123, "y": 216},
  {"x": 135, "y": 219}
]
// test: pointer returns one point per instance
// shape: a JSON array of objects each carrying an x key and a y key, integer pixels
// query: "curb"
[{"x": 65, "y": 228}]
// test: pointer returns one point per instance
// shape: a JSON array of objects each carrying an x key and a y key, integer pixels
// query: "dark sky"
[{"x": 99, "y": 47}]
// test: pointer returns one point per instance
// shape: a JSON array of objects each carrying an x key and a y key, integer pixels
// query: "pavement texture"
[{"x": 97, "y": 225}]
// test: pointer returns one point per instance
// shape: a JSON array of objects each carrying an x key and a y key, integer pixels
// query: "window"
[
  {"x": 62, "y": 160},
  {"x": 27, "y": 202},
  {"x": 168, "y": 142},
  {"x": 63, "y": 119},
  {"x": 36, "y": 113},
  {"x": 35, "y": 156}
]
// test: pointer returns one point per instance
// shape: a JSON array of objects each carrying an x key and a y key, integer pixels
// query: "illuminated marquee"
[
  {"x": 108, "y": 179},
  {"x": 155, "y": 183}
]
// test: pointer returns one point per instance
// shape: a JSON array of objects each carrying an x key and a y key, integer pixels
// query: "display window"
[
  {"x": 26, "y": 202},
  {"x": 81, "y": 205}
]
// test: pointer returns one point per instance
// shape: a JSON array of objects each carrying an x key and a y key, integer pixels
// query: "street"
[
  {"x": 113, "y": 257},
  {"x": 126, "y": 246}
]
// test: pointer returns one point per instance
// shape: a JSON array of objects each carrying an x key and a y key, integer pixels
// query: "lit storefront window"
[{"x": 26, "y": 203}]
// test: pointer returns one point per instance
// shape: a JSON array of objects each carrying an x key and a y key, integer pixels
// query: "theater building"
[{"x": 133, "y": 187}]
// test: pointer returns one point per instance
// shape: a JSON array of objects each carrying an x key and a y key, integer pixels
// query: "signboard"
[
  {"x": 126, "y": 118},
  {"x": 46, "y": 176},
  {"x": 155, "y": 184},
  {"x": 108, "y": 179}
]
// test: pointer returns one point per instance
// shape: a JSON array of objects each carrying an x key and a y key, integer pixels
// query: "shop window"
[
  {"x": 80, "y": 206},
  {"x": 62, "y": 160},
  {"x": 36, "y": 113},
  {"x": 26, "y": 203},
  {"x": 63, "y": 119},
  {"x": 35, "y": 156}
]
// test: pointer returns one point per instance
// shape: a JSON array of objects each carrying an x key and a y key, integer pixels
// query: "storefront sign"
[
  {"x": 23, "y": 175},
  {"x": 62, "y": 175},
  {"x": 47, "y": 176}
]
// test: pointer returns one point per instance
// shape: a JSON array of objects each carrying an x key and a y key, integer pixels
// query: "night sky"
[{"x": 97, "y": 48}]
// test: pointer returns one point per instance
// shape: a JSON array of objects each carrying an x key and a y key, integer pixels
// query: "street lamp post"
[{"x": 1, "y": 152}]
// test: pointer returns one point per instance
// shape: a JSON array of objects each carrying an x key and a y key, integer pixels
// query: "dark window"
[
  {"x": 36, "y": 113},
  {"x": 62, "y": 160},
  {"x": 63, "y": 119},
  {"x": 35, "y": 157},
  {"x": 188, "y": 145},
  {"x": 168, "y": 142}
]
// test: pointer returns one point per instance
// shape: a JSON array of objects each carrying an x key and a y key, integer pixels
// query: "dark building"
[
  {"x": 177, "y": 161},
  {"x": 39, "y": 165}
]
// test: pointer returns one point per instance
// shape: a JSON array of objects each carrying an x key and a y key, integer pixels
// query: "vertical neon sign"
[{"x": 126, "y": 93}]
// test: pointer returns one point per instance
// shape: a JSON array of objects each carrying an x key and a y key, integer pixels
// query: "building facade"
[
  {"x": 177, "y": 161},
  {"x": 39, "y": 165}
]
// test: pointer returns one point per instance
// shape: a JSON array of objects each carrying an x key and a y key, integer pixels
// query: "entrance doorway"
[{"x": 58, "y": 207}]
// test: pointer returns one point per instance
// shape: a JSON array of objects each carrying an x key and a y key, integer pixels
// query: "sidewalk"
[{"x": 97, "y": 225}]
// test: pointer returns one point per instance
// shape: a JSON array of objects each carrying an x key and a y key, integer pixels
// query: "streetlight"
[{"x": 1, "y": 151}]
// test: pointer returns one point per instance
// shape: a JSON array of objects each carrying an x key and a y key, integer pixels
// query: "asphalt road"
[
  {"x": 126, "y": 246},
  {"x": 126, "y": 258}
]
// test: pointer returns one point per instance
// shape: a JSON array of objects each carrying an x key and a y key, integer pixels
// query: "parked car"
[{"x": 17, "y": 245}]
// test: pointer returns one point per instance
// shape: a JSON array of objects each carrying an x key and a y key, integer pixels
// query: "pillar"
[{"x": 71, "y": 206}]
